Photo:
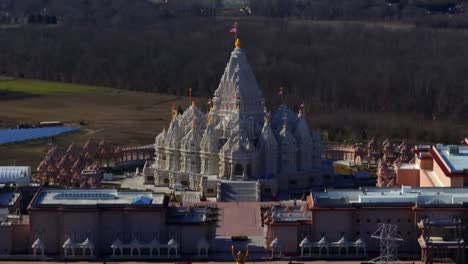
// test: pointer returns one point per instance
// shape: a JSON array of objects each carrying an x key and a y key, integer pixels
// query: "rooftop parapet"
[
  {"x": 421, "y": 197},
  {"x": 96, "y": 198}
]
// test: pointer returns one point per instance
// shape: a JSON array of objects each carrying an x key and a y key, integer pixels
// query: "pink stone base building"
[
  {"x": 96, "y": 223},
  {"x": 340, "y": 223},
  {"x": 436, "y": 166}
]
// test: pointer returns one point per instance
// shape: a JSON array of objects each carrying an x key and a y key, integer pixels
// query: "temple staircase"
[{"x": 239, "y": 191}]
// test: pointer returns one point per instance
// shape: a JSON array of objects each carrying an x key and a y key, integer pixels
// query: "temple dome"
[
  {"x": 160, "y": 139},
  {"x": 174, "y": 135},
  {"x": 276, "y": 243},
  {"x": 69, "y": 244},
  {"x": 72, "y": 150},
  {"x": 359, "y": 241},
  {"x": 305, "y": 243},
  {"x": 267, "y": 138},
  {"x": 287, "y": 141},
  {"x": 191, "y": 141},
  {"x": 302, "y": 132},
  {"x": 38, "y": 244},
  {"x": 209, "y": 142},
  {"x": 155, "y": 242},
  {"x": 322, "y": 241},
  {"x": 173, "y": 243},
  {"x": 87, "y": 243},
  {"x": 241, "y": 145},
  {"x": 117, "y": 243},
  {"x": 135, "y": 243},
  {"x": 189, "y": 116},
  {"x": 278, "y": 118}
]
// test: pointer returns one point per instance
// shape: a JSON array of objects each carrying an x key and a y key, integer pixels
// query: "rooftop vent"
[{"x": 454, "y": 150}]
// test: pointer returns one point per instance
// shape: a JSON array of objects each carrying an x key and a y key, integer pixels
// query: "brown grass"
[{"x": 121, "y": 117}]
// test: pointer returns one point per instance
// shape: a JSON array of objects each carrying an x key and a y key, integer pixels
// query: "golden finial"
[
  {"x": 301, "y": 109},
  {"x": 237, "y": 106},
  {"x": 237, "y": 43},
  {"x": 209, "y": 121},
  {"x": 174, "y": 112},
  {"x": 285, "y": 120},
  {"x": 267, "y": 115},
  {"x": 193, "y": 103}
]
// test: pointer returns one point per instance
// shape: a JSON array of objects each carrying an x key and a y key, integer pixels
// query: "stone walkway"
[{"x": 239, "y": 219}]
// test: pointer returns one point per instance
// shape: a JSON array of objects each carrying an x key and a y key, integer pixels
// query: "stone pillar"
[
  {"x": 244, "y": 171},
  {"x": 259, "y": 192},
  {"x": 218, "y": 191},
  {"x": 231, "y": 177}
]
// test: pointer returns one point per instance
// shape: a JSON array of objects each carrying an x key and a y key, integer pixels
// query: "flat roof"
[
  {"x": 15, "y": 174},
  {"x": 391, "y": 196},
  {"x": 8, "y": 198},
  {"x": 96, "y": 197},
  {"x": 408, "y": 166},
  {"x": 456, "y": 162},
  {"x": 289, "y": 214},
  {"x": 194, "y": 215}
]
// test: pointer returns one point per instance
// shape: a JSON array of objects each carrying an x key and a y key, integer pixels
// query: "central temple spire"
[{"x": 238, "y": 88}]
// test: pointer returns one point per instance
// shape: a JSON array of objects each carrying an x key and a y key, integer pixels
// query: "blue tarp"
[
  {"x": 362, "y": 175},
  {"x": 141, "y": 200},
  {"x": 18, "y": 135}
]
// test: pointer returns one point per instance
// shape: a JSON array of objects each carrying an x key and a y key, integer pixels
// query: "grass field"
[
  {"x": 35, "y": 87},
  {"x": 121, "y": 117}
]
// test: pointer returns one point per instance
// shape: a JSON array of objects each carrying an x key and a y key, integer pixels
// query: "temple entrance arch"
[
  {"x": 238, "y": 170},
  {"x": 358, "y": 160}
]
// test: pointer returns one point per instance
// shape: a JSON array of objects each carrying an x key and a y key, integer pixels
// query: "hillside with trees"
[{"x": 359, "y": 75}]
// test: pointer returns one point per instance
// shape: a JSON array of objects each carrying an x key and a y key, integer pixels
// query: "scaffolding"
[
  {"x": 442, "y": 239},
  {"x": 389, "y": 239}
]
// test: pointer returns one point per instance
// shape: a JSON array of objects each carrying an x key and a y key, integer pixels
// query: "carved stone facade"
[{"x": 236, "y": 140}]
